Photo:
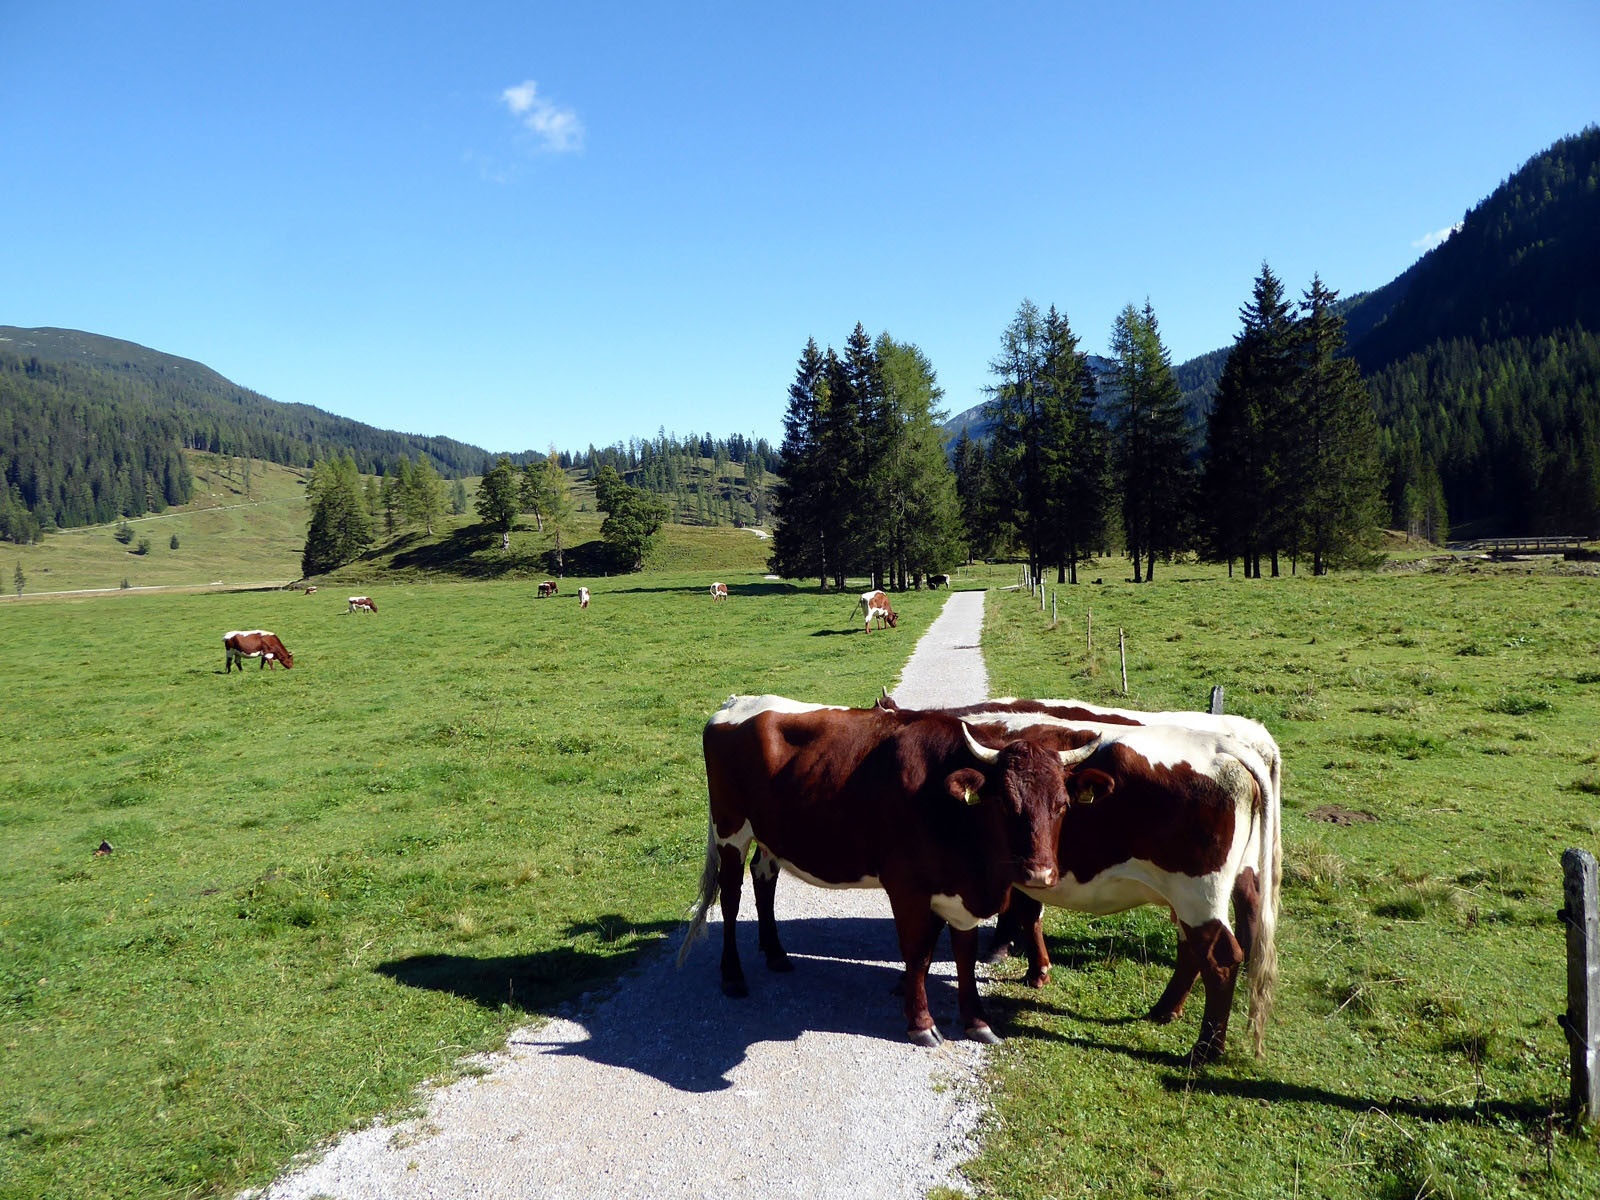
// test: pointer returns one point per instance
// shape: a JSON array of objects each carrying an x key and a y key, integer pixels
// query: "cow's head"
[
  {"x": 1020, "y": 791},
  {"x": 282, "y": 655},
  {"x": 892, "y": 617}
]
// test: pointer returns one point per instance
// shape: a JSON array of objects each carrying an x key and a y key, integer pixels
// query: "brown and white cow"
[
  {"x": 362, "y": 604},
  {"x": 719, "y": 591},
  {"x": 548, "y": 588},
  {"x": 1185, "y": 817},
  {"x": 583, "y": 597},
  {"x": 875, "y": 604},
  {"x": 907, "y": 802},
  {"x": 310, "y": 590},
  {"x": 240, "y": 644}
]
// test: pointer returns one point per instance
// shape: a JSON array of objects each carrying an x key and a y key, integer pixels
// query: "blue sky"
[{"x": 519, "y": 224}]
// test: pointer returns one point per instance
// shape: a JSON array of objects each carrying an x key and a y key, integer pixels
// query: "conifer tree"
[
  {"x": 340, "y": 527},
  {"x": 1152, "y": 442},
  {"x": 921, "y": 514},
  {"x": 1338, "y": 506},
  {"x": 1246, "y": 487},
  {"x": 799, "y": 542}
]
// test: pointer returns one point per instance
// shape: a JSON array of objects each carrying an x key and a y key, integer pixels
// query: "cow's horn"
[
  {"x": 979, "y": 751},
  {"x": 1071, "y": 758}
]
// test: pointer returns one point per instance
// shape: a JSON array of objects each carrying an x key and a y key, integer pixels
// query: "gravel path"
[{"x": 663, "y": 1087}]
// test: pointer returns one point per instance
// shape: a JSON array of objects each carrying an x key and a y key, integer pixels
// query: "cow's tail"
[
  {"x": 1263, "y": 964},
  {"x": 709, "y": 887}
]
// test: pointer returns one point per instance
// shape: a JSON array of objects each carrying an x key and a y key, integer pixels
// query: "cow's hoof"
[
  {"x": 1037, "y": 979},
  {"x": 779, "y": 962},
  {"x": 737, "y": 988},
  {"x": 1204, "y": 1053},
  {"x": 929, "y": 1038},
  {"x": 998, "y": 953},
  {"x": 982, "y": 1033},
  {"x": 1162, "y": 1016}
]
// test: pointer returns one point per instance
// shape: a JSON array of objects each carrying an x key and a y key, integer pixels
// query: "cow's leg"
[
  {"x": 1246, "y": 909},
  {"x": 1184, "y": 972},
  {"x": 964, "y": 947},
  {"x": 730, "y": 881},
  {"x": 1219, "y": 955},
  {"x": 1023, "y": 920},
  {"x": 764, "y": 882},
  {"x": 917, "y": 927}
]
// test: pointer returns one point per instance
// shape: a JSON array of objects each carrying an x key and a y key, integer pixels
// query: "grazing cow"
[
  {"x": 719, "y": 591},
  {"x": 876, "y": 604},
  {"x": 362, "y": 604},
  {"x": 548, "y": 588},
  {"x": 310, "y": 590},
  {"x": 583, "y": 597},
  {"x": 938, "y": 581},
  {"x": 908, "y": 802},
  {"x": 239, "y": 645},
  {"x": 1162, "y": 814}
]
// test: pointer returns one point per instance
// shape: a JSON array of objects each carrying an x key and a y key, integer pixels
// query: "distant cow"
[
  {"x": 548, "y": 588},
  {"x": 876, "y": 604},
  {"x": 908, "y": 802},
  {"x": 719, "y": 591},
  {"x": 583, "y": 597},
  {"x": 309, "y": 590},
  {"x": 362, "y": 604},
  {"x": 938, "y": 581},
  {"x": 254, "y": 643}
]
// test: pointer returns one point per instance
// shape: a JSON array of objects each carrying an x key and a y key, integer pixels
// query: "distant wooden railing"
[{"x": 1521, "y": 545}]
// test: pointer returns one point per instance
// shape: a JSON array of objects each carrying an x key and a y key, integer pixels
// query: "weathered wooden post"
[
  {"x": 1088, "y": 625},
  {"x": 1052, "y": 608},
  {"x": 1581, "y": 916},
  {"x": 1122, "y": 653},
  {"x": 1216, "y": 701}
]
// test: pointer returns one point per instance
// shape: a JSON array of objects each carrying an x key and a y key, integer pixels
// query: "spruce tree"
[
  {"x": 922, "y": 513},
  {"x": 1246, "y": 487},
  {"x": 799, "y": 548},
  {"x": 340, "y": 527},
  {"x": 1339, "y": 506},
  {"x": 1152, "y": 442}
]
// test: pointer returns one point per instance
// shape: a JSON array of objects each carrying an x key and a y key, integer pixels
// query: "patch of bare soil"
[{"x": 1334, "y": 815}]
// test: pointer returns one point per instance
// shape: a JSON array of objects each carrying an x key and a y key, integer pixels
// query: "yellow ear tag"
[
  {"x": 1086, "y": 796},
  {"x": 966, "y": 794}
]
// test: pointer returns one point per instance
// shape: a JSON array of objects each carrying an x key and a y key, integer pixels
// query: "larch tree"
[
  {"x": 497, "y": 496},
  {"x": 921, "y": 509}
]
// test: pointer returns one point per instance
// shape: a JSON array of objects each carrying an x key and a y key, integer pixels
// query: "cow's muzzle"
[{"x": 1041, "y": 877}]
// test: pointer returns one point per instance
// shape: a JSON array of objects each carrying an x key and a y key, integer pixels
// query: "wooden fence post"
[
  {"x": 1581, "y": 916},
  {"x": 1052, "y": 608},
  {"x": 1216, "y": 701},
  {"x": 1122, "y": 653},
  {"x": 1088, "y": 625}
]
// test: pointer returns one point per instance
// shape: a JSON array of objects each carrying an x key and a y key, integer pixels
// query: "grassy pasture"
[
  {"x": 331, "y": 883},
  {"x": 1414, "y": 1051}
]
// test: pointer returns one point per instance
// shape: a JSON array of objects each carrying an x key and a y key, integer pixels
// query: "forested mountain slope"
[{"x": 91, "y": 428}]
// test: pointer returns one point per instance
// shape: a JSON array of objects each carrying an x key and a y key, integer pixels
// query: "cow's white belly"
[
  {"x": 1195, "y": 899},
  {"x": 866, "y": 881},
  {"x": 954, "y": 912}
]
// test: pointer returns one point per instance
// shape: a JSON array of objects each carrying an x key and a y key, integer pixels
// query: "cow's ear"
[
  {"x": 965, "y": 785},
  {"x": 1088, "y": 785}
]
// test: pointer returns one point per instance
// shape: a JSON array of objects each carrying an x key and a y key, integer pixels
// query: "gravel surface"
[{"x": 663, "y": 1087}]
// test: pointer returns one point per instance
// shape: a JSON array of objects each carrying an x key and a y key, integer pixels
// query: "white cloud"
[
  {"x": 558, "y": 129},
  {"x": 1429, "y": 240}
]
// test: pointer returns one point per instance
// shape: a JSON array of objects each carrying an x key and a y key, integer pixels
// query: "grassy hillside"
[
  {"x": 225, "y": 534},
  {"x": 240, "y": 531}
]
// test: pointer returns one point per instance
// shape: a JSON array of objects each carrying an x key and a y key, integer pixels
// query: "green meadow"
[{"x": 330, "y": 884}]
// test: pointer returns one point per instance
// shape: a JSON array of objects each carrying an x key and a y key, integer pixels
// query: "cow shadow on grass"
[
  {"x": 675, "y": 1025},
  {"x": 1529, "y": 1111}
]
